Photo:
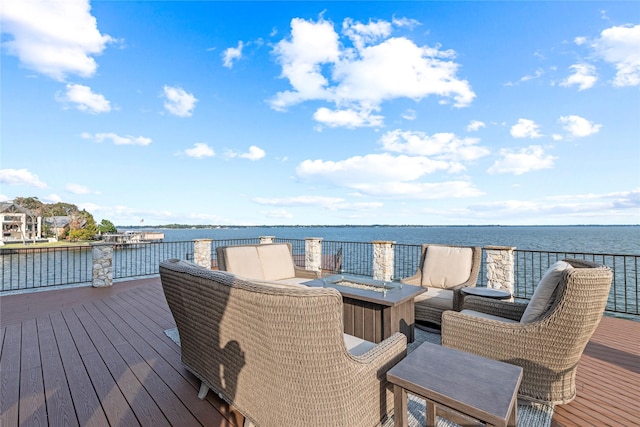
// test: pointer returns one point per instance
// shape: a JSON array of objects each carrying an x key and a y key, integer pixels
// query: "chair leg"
[{"x": 203, "y": 391}]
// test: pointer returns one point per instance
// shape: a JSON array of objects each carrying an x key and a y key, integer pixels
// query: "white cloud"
[
  {"x": 475, "y": 125},
  {"x": 409, "y": 114},
  {"x": 199, "y": 151},
  {"x": 538, "y": 73},
  {"x": 580, "y": 40},
  {"x": 386, "y": 175},
  {"x": 254, "y": 153},
  {"x": 573, "y": 206},
  {"x": 365, "y": 34},
  {"x": 371, "y": 168},
  {"x": 278, "y": 214},
  {"x": 620, "y": 46},
  {"x": 421, "y": 190},
  {"x": 578, "y": 126},
  {"x": 323, "y": 202},
  {"x": 584, "y": 76},
  {"x": 349, "y": 118},
  {"x": 52, "y": 198},
  {"x": 179, "y": 102},
  {"x": 522, "y": 161},
  {"x": 231, "y": 54},
  {"x": 79, "y": 189},
  {"x": 440, "y": 146},
  {"x": 55, "y": 38},
  {"x": 525, "y": 129},
  {"x": 117, "y": 139},
  {"x": 20, "y": 177},
  {"x": 85, "y": 100},
  {"x": 321, "y": 66}
]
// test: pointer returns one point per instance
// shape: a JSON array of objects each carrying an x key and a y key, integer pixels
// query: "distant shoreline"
[{"x": 212, "y": 227}]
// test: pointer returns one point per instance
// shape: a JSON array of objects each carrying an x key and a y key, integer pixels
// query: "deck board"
[
  {"x": 96, "y": 357},
  {"x": 60, "y": 409}
]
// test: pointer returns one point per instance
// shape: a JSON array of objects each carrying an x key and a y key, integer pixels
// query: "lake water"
[{"x": 624, "y": 240}]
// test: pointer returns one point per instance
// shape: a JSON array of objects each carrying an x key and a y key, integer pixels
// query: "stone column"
[
  {"x": 313, "y": 253},
  {"x": 102, "y": 272},
  {"x": 383, "y": 260},
  {"x": 500, "y": 267},
  {"x": 202, "y": 252},
  {"x": 266, "y": 239}
]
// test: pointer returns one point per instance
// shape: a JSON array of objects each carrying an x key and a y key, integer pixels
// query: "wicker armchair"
[
  {"x": 444, "y": 270},
  {"x": 548, "y": 347},
  {"x": 277, "y": 352}
]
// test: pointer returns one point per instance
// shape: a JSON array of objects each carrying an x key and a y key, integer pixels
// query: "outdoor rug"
[{"x": 529, "y": 415}]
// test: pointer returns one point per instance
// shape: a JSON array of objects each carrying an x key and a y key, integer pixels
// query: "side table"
[
  {"x": 482, "y": 292},
  {"x": 456, "y": 385}
]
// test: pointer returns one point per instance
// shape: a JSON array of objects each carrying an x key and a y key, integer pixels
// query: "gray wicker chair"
[
  {"x": 277, "y": 352},
  {"x": 453, "y": 268},
  {"x": 549, "y": 347}
]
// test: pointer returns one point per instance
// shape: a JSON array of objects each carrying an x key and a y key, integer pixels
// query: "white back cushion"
[
  {"x": 276, "y": 260},
  {"x": 445, "y": 267},
  {"x": 541, "y": 299},
  {"x": 244, "y": 261}
]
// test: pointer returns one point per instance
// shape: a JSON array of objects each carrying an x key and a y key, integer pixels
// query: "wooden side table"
[{"x": 457, "y": 386}]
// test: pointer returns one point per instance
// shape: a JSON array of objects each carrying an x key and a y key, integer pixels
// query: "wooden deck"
[{"x": 88, "y": 356}]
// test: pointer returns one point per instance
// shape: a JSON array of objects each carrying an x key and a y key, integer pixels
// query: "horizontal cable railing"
[{"x": 35, "y": 268}]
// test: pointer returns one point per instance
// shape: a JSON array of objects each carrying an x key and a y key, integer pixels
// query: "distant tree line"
[{"x": 81, "y": 226}]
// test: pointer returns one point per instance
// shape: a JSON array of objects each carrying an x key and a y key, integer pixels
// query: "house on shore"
[{"x": 19, "y": 224}]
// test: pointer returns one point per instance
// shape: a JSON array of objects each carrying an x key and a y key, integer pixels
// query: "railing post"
[
  {"x": 202, "y": 252},
  {"x": 383, "y": 260},
  {"x": 102, "y": 271},
  {"x": 313, "y": 253},
  {"x": 264, "y": 240},
  {"x": 500, "y": 267}
]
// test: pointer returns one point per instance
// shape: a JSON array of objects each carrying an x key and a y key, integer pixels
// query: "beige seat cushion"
[
  {"x": 446, "y": 267},
  {"x": 542, "y": 297},
  {"x": 276, "y": 261},
  {"x": 294, "y": 281},
  {"x": 244, "y": 261},
  {"x": 357, "y": 346},
  {"x": 488, "y": 316},
  {"x": 436, "y": 297}
]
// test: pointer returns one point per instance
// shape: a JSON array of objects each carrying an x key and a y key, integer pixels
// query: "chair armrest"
[
  {"x": 415, "y": 280},
  {"x": 392, "y": 349},
  {"x": 506, "y": 309},
  {"x": 503, "y": 341},
  {"x": 306, "y": 274}
]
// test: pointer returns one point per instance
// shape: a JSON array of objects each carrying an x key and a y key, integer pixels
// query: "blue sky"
[{"x": 285, "y": 113}]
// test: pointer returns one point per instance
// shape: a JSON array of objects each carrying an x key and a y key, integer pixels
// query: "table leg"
[
  {"x": 400, "y": 410},
  {"x": 513, "y": 417},
  {"x": 431, "y": 414}
]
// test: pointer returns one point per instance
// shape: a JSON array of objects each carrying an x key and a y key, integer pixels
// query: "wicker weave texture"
[
  {"x": 548, "y": 349},
  {"x": 428, "y": 313},
  {"x": 277, "y": 354}
]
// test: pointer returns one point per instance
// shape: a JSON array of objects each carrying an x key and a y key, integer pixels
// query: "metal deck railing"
[{"x": 38, "y": 268}]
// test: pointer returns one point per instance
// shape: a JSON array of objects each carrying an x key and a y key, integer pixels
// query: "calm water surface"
[{"x": 590, "y": 239}]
